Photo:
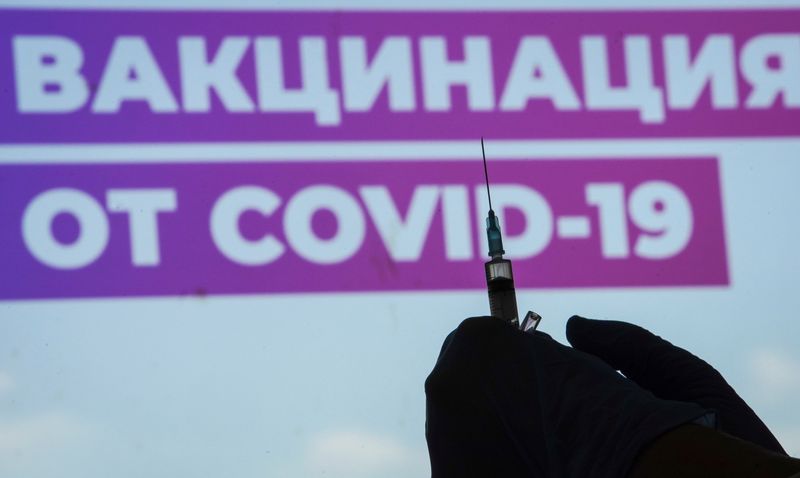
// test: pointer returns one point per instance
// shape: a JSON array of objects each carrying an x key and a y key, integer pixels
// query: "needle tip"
[{"x": 486, "y": 175}]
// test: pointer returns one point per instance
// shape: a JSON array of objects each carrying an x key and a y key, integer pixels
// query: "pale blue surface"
[{"x": 331, "y": 385}]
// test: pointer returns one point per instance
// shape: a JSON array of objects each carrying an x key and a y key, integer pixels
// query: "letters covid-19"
[{"x": 171, "y": 78}]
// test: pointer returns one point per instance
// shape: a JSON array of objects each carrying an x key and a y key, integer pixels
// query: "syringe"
[{"x": 499, "y": 273}]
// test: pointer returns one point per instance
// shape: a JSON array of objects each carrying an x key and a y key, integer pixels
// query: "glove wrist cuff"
[{"x": 693, "y": 451}]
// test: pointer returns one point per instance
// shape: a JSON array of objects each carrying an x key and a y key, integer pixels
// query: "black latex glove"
[
  {"x": 670, "y": 372},
  {"x": 504, "y": 403}
]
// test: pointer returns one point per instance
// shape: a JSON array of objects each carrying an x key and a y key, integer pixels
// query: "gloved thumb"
[{"x": 669, "y": 372}]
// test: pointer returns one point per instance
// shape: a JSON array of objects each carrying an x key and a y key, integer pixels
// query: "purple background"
[
  {"x": 96, "y": 30},
  {"x": 191, "y": 264}
]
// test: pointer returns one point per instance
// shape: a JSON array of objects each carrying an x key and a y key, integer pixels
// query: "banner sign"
[
  {"x": 170, "y": 229},
  {"x": 160, "y": 76}
]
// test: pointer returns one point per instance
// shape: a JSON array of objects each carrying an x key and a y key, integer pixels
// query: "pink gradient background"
[
  {"x": 96, "y": 30},
  {"x": 191, "y": 263}
]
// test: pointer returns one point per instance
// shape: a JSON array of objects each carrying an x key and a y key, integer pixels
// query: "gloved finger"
[
  {"x": 475, "y": 344},
  {"x": 669, "y": 372},
  {"x": 453, "y": 406},
  {"x": 643, "y": 357},
  {"x": 464, "y": 354}
]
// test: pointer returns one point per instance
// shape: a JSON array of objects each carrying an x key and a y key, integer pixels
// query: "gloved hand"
[
  {"x": 504, "y": 403},
  {"x": 669, "y": 372}
]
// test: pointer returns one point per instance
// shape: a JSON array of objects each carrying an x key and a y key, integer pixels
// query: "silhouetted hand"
[
  {"x": 504, "y": 403},
  {"x": 669, "y": 372}
]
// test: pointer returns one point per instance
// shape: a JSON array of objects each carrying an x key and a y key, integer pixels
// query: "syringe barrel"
[{"x": 500, "y": 284}]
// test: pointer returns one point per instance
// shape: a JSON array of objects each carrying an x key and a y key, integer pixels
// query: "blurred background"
[{"x": 233, "y": 235}]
